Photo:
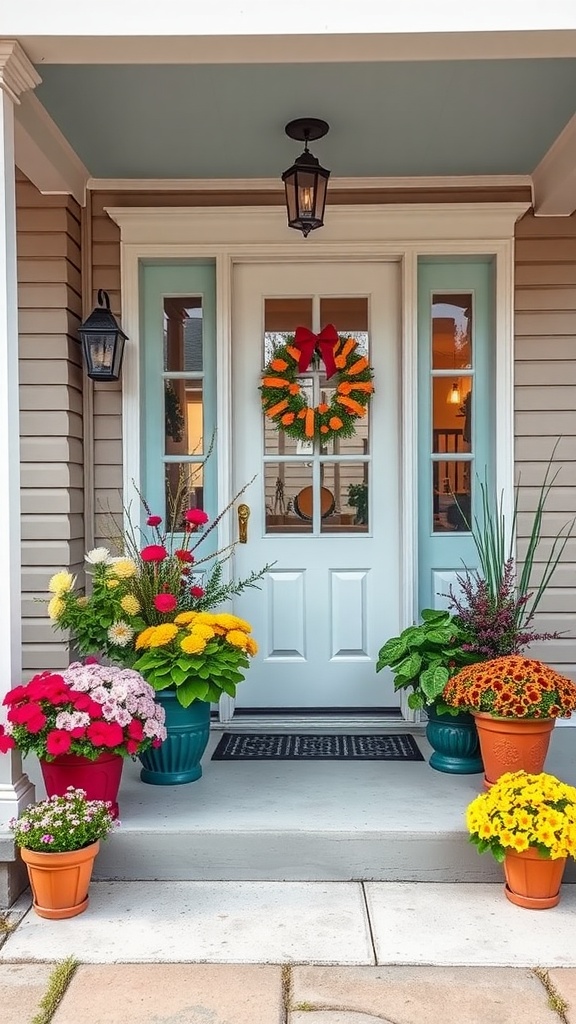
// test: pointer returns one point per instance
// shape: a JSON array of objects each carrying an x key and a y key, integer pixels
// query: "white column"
[{"x": 16, "y": 75}]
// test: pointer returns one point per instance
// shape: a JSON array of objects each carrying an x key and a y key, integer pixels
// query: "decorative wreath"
[{"x": 282, "y": 397}]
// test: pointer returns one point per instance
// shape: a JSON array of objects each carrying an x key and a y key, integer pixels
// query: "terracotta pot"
[
  {"x": 512, "y": 744},
  {"x": 533, "y": 881},
  {"x": 100, "y": 778},
  {"x": 59, "y": 881}
]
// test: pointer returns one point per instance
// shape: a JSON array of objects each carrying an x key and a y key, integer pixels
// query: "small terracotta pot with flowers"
[
  {"x": 528, "y": 823},
  {"x": 59, "y": 839},
  {"x": 81, "y": 724},
  {"x": 515, "y": 702}
]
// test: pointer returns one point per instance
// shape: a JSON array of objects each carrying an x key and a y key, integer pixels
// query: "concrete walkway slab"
[
  {"x": 173, "y": 994},
  {"x": 215, "y": 922},
  {"x": 21, "y": 989},
  {"x": 468, "y": 925},
  {"x": 418, "y": 995},
  {"x": 564, "y": 981}
]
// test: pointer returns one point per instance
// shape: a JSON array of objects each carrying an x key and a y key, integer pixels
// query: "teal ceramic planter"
[
  {"x": 455, "y": 742},
  {"x": 177, "y": 760}
]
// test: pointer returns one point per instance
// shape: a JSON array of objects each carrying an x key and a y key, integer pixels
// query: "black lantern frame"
[
  {"x": 306, "y": 182},
  {"x": 102, "y": 341}
]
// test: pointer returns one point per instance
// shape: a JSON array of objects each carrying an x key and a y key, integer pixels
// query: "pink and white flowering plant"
[
  {"x": 86, "y": 710},
  {"x": 64, "y": 823}
]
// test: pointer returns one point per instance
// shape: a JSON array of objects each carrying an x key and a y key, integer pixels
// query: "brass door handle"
[{"x": 243, "y": 516}]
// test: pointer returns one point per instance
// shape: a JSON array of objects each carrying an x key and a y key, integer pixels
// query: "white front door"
[{"x": 328, "y": 516}]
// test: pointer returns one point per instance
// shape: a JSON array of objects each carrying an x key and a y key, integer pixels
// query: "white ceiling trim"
[
  {"x": 555, "y": 176},
  {"x": 352, "y": 45},
  {"x": 44, "y": 154},
  {"x": 478, "y": 181},
  {"x": 17, "y": 74}
]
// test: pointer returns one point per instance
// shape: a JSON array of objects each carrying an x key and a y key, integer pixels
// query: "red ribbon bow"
[{"x": 325, "y": 342}]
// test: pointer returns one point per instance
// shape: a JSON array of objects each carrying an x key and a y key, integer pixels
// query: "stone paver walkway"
[{"x": 260, "y": 994}]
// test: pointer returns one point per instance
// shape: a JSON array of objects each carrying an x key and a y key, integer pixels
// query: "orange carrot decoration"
[
  {"x": 335, "y": 423},
  {"x": 302, "y": 414},
  {"x": 294, "y": 352},
  {"x": 322, "y": 408},
  {"x": 344, "y": 388},
  {"x": 279, "y": 365},
  {"x": 287, "y": 419},
  {"x": 360, "y": 385},
  {"x": 348, "y": 347},
  {"x": 324, "y": 430},
  {"x": 277, "y": 408},
  {"x": 351, "y": 405},
  {"x": 309, "y": 423},
  {"x": 275, "y": 382}
]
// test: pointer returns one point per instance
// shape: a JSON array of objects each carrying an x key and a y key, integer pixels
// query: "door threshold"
[{"x": 313, "y": 723}]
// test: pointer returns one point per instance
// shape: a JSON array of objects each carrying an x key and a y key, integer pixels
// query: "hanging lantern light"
[
  {"x": 102, "y": 341},
  {"x": 306, "y": 181},
  {"x": 454, "y": 394}
]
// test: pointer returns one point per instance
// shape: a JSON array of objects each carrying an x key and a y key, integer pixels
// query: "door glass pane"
[
  {"x": 288, "y": 497},
  {"x": 281, "y": 318},
  {"x": 345, "y": 497},
  {"x": 183, "y": 416},
  {"x": 452, "y": 414},
  {"x": 183, "y": 334},
  {"x": 184, "y": 484},
  {"x": 452, "y": 495},
  {"x": 451, "y": 331}
]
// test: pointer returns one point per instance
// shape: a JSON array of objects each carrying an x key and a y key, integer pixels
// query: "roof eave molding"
[
  {"x": 45, "y": 155},
  {"x": 555, "y": 176}
]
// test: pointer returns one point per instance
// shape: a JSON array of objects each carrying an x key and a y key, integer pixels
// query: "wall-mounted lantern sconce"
[
  {"x": 102, "y": 341},
  {"x": 306, "y": 181}
]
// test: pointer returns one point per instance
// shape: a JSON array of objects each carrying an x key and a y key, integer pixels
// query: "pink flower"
[
  {"x": 197, "y": 591},
  {"x": 183, "y": 555},
  {"x": 105, "y": 734},
  {"x": 196, "y": 516},
  {"x": 91, "y": 660},
  {"x": 6, "y": 742},
  {"x": 153, "y": 553},
  {"x": 165, "y": 602},
  {"x": 132, "y": 746},
  {"x": 154, "y": 520},
  {"x": 58, "y": 742},
  {"x": 18, "y": 693},
  {"x": 135, "y": 729},
  {"x": 29, "y": 715}
]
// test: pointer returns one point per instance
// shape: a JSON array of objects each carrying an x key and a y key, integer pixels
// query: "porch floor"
[{"x": 306, "y": 821}]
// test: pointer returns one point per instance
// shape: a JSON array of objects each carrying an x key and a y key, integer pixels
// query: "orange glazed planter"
[
  {"x": 533, "y": 881},
  {"x": 512, "y": 744},
  {"x": 59, "y": 881}
]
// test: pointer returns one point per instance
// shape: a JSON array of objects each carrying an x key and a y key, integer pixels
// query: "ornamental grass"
[
  {"x": 521, "y": 812},
  {"x": 512, "y": 687}
]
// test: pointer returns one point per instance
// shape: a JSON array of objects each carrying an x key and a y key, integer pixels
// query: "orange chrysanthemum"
[{"x": 512, "y": 687}]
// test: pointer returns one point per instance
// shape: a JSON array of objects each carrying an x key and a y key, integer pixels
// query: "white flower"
[
  {"x": 97, "y": 555},
  {"x": 120, "y": 634}
]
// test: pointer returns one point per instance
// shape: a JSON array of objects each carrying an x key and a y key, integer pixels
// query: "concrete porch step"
[{"x": 306, "y": 821}]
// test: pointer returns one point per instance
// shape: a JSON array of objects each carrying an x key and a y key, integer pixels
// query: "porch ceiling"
[{"x": 417, "y": 118}]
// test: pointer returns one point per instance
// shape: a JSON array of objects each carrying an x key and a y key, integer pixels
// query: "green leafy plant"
[
  {"x": 358, "y": 499},
  {"x": 425, "y": 656},
  {"x": 61, "y": 824},
  {"x": 202, "y": 655}
]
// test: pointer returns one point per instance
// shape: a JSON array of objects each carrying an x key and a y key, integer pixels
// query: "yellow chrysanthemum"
[
  {"x": 506, "y": 838},
  {"x": 143, "y": 638},
  {"x": 232, "y": 622},
  {"x": 130, "y": 604},
  {"x": 485, "y": 830},
  {"x": 544, "y": 834},
  {"x": 112, "y": 584},
  {"x": 202, "y": 629},
  {"x": 193, "y": 644},
  {"x": 237, "y": 638},
  {"x": 519, "y": 842},
  {"x": 251, "y": 646},
  {"x": 124, "y": 569},
  {"x": 184, "y": 618},
  {"x": 61, "y": 583},
  {"x": 208, "y": 617},
  {"x": 163, "y": 634},
  {"x": 55, "y": 607}
]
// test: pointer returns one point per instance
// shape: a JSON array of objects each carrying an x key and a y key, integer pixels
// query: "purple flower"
[{"x": 47, "y": 838}]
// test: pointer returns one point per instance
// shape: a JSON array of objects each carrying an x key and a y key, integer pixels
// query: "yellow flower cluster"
[
  {"x": 521, "y": 811},
  {"x": 194, "y": 630}
]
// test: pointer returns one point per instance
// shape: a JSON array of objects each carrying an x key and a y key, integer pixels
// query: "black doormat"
[{"x": 235, "y": 746}]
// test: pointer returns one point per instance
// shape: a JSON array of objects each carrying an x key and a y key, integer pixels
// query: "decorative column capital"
[{"x": 17, "y": 73}]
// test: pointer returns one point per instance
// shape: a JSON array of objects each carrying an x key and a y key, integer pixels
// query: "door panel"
[{"x": 327, "y": 517}]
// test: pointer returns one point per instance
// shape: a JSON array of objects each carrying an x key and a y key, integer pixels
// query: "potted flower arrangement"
[
  {"x": 191, "y": 661},
  {"x": 515, "y": 702},
  {"x": 59, "y": 839},
  {"x": 422, "y": 659},
  {"x": 81, "y": 724},
  {"x": 528, "y": 822},
  {"x": 161, "y": 572}
]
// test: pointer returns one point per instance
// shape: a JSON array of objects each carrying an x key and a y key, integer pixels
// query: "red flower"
[
  {"x": 165, "y": 602},
  {"x": 78, "y": 733},
  {"x": 156, "y": 743},
  {"x": 153, "y": 553},
  {"x": 18, "y": 693},
  {"x": 132, "y": 746},
  {"x": 58, "y": 741},
  {"x": 91, "y": 660},
  {"x": 154, "y": 520},
  {"x": 29, "y": 715},
  {"x": 135, "y": 729},
  {"x": 105, "y": 734},
  {"x": 197, "y": 591},
  {"x": 81, "y": 701},
  {"x": 183, "y": 555},
  {"x": 196, "y": 516},
  {"x": 6, "y": 742}
]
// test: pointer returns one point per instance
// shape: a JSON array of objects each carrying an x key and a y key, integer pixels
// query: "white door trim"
[{"x": 251, "y": 234}]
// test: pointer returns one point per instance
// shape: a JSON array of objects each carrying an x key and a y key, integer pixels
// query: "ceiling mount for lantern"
[
  {"x": 306, "y": 181},
  {"x": 102, "y": 341}
]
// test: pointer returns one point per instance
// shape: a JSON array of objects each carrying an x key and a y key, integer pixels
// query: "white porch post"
[{"x": 16, "y": 75}]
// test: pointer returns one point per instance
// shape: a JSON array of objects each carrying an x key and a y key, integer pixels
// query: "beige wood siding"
[
  {"x": 545, "y": 407},
  {"x": 51, "y": 433}
]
